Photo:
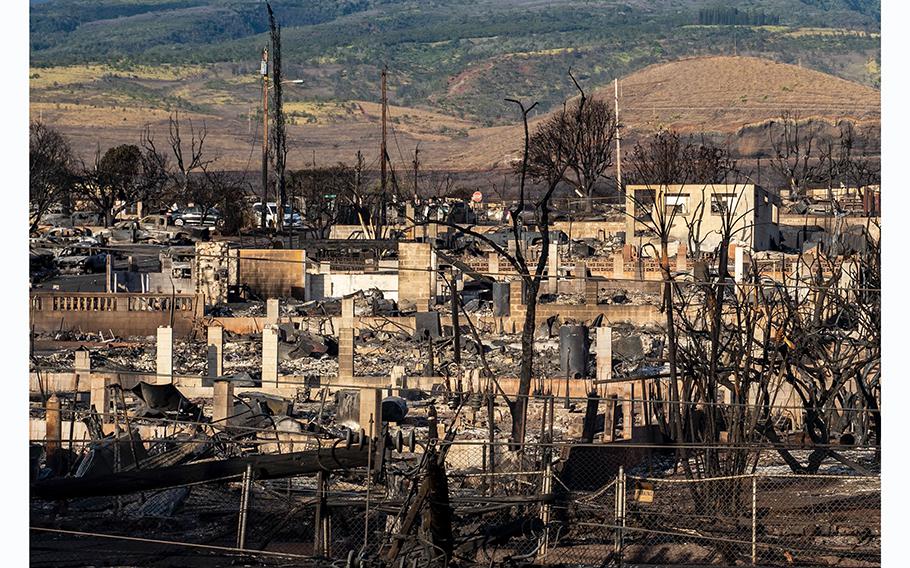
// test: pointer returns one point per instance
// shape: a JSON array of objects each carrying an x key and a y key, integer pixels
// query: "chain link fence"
[{"x": 560, "y": 504}]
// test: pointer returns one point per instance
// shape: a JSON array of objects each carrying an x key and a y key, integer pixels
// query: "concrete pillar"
[
  {"x": 619, "y": 271},
  {"x": 581, "y": 276},
  {"x": 398, "y": 378},
  {"x": 53, "y": 427},
  {"x": 493, "y": 264},
  {"x": 271, "y": 311},
  {"x": 164, "y": 355},
  {"x": 371, "y": 406},
  {"x": 590, "y": 291},
  {"x": 270, "y": 355},
  {"x": 553, "y": 268},
  {"x": 109, "y": 286},
  {"x": 434, "y": 286},
  {"x": 99, "y": 397},
  {"x": 682, "y": 263},
  {"x": 346, "y": 353},
  {"x": 347, "y": 313},
  {"x": 603, "y": 352},
  {"x": 223, "y": 403},
  {"x": 738, "y": 264},
  {"x": 83, "y": 364},
  {"x": 516, "y": 298},
  {"x": 510, "y": 246},
  {"x": 215, "y": 351}
]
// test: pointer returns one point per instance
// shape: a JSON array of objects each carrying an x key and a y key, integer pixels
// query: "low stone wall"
[{"x": 123, "y": 314}]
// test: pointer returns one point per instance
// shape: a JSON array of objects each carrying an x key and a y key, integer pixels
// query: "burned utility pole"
[
  {"x": 264, "y": 71},
  {"x": 618, "y": 136},
  {"x": 382, "y": 145},
  {"x": 279, "y": 131},
  {"x": 383, "y": 151},
  {"x": 416, "y": 164}
]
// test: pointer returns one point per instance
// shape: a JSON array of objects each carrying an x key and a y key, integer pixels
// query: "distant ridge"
[{"x": 722, "y": 95}]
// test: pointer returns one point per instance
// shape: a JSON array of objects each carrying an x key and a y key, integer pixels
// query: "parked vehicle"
[
  {"x": 81, "y": 258},
  {"x": 195, "y": 216},
  {"x": 77, "y": 219},
  {"x": 292, "y": 217}
]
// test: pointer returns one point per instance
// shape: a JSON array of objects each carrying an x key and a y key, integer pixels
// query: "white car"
[{"x": 292, "y": 218}]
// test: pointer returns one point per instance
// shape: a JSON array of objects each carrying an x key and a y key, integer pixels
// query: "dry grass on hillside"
[{"x": 709, "y": 94}]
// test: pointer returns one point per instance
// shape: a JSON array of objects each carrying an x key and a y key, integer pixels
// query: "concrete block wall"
[
  {"x": 274, "y": 276},
  {"x": 415, "y": 280}
]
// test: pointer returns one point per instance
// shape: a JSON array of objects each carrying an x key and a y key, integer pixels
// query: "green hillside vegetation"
[{"x": 458, "y": 56}]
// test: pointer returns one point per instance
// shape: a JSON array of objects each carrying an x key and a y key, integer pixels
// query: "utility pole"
[
  {"x": 416, "y": 167},
  {"x": 264, "y": 71},
  {"x": 382, "y": 144},
  {"x": 383, "y": 153},
  {"x": 618, "y": 155},
  {"x": 629, "y": 205}
]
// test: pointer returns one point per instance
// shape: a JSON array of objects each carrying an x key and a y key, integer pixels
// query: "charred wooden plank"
[{"x": 264, "y": 467}]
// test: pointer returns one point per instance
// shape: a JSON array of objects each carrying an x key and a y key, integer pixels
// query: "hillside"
[
  {"x": 726, "y": 97},
  {"x": 726, "y": 93},
  {"x": 459, "y": 57}
]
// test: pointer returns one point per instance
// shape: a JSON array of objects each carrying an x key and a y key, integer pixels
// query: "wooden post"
[
  {"x": 610, "y": 419},
  {"x": 322, "y": 544},
  {"x": 53, "y": 428},
  {"x": 628, "y": 413},
  {"x": 587, "y": 433}
]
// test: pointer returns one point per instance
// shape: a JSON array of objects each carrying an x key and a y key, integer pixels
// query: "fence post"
[
  {"x": 322, "y": 540},
  {"x": 366, "y": 516},
  {"x": 619, "y": 512},
  {"x": 546, "y": 489},
  {"x": 754, "y": 518},
  {"x": 622, "y": 508},
  {"x": 244, "y": 503}
]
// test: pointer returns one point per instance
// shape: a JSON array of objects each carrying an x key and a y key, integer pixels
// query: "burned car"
[{"x": 81, "y": 258}]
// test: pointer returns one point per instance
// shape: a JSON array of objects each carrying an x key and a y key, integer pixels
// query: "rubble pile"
[{"x": 611, "y": 245}]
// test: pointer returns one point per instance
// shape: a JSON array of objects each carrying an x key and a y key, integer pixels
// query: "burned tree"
[
  {"x": 797, "y": 157},
  {"x": 222, "y": 190},
  {"x": 585, "y": 130},
  {"x": 552, "y": 167},
  {"x": 50, "y": 170},
  {"x": 829, "y": 340},
  {"x": 187, "y": 160},
  {"x": 367, "y": 200},
  {"x": 664, "y": 163}
]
